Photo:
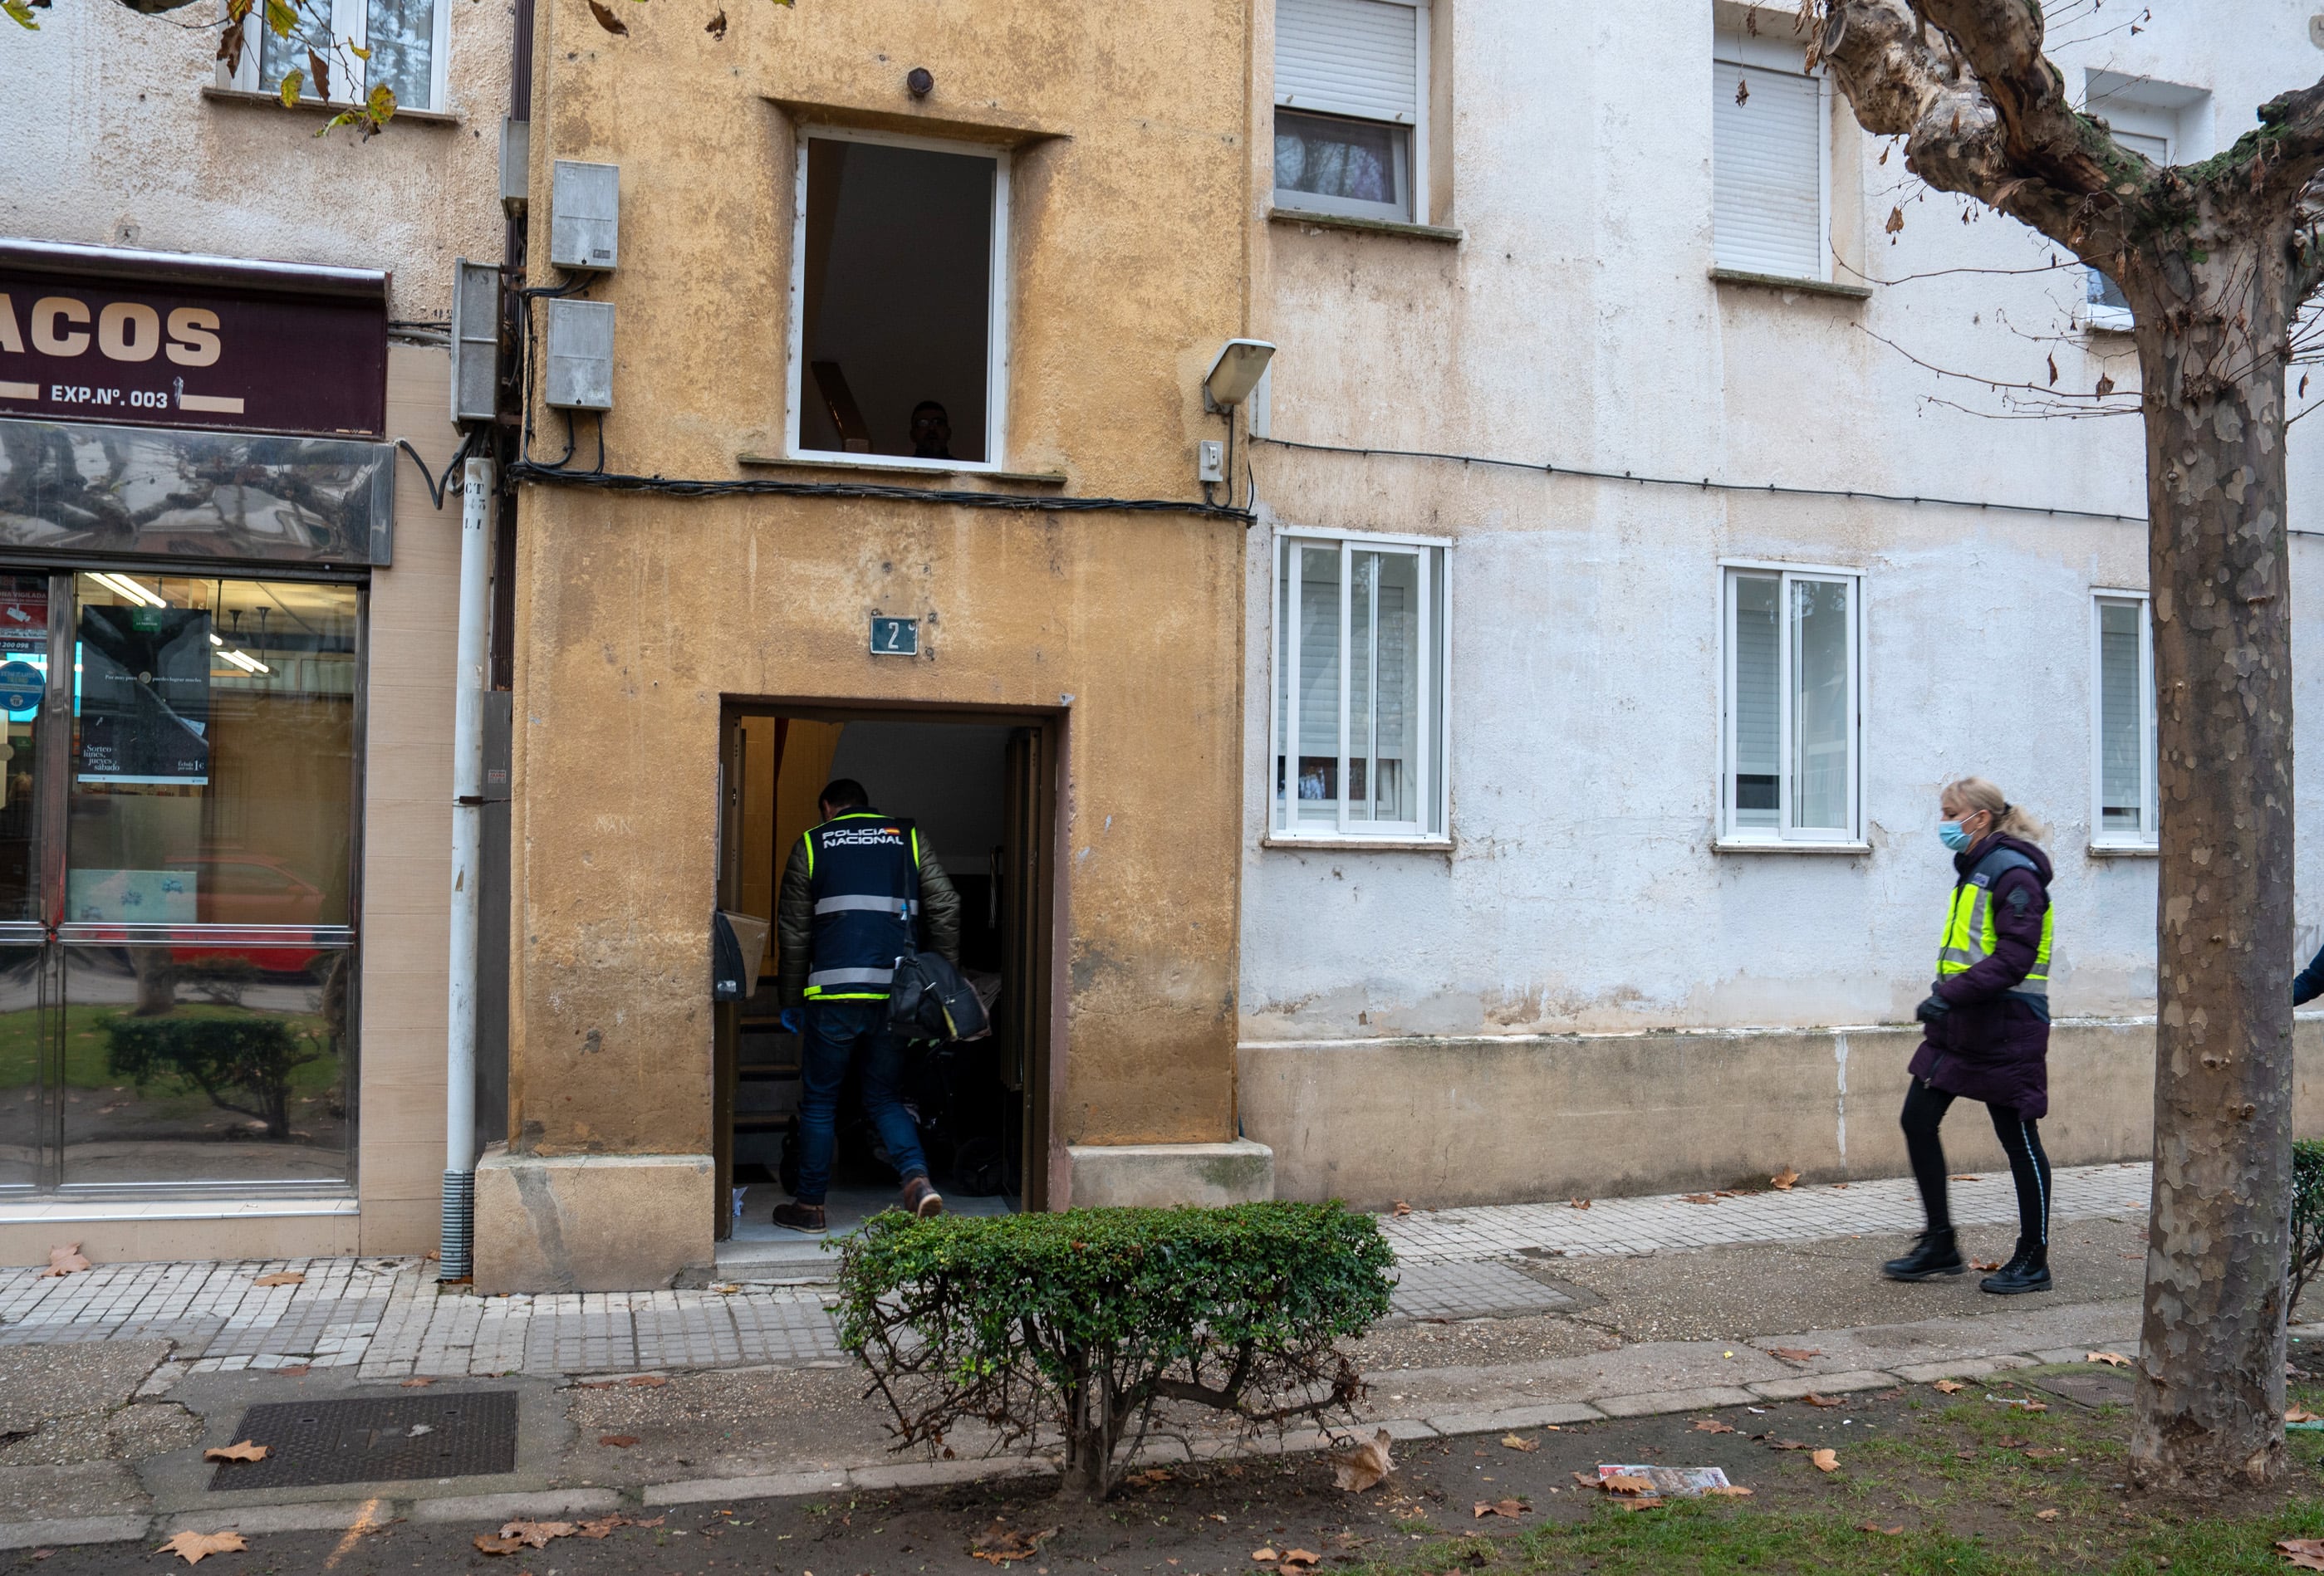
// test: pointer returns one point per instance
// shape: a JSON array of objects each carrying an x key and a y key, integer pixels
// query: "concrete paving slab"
[
  {"x": 1968, "y": 1368},
  {"x": 1506, "y": 1419},
  {"x": 1838, "y": 1383},
  {"x": 1706, "y": 1399},
  {"x": 329, "y": 1515},
  {"x": 767, "y": 1486},
  {"x": 76, "y": 1529},
  {"x": 531, "y": 1506}
]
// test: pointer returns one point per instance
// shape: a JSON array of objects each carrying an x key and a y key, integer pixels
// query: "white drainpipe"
[{"x": 467, "y": 850}]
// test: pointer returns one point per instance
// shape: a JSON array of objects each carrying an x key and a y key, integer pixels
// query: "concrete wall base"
[
  {"x": 590, "y": 1222},
  {"x": 1470, "y": 1121},
  {"x": 1126, "y": 1175}
]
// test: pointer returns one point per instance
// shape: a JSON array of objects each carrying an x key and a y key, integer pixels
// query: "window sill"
[
  {"x": 323, "y": 106},
  {"x": 878, "y": 467},
  {"x": 2109, "y": 323},
  {"x": 59, "y": 1209},
  {"x": 1366, "y": 845},
  {"x": 2125, "y": 851},
  {"x": 1404, "y": 227},
  {"x": 1814, "y": 287},
  {"x": 1740, "y": 845}
]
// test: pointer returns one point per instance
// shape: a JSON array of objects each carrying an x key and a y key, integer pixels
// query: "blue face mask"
[{"x": 1951, "y": 834}]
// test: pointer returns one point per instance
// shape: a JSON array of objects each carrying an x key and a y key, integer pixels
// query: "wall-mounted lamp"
[{"x": 1237, "y": 371}]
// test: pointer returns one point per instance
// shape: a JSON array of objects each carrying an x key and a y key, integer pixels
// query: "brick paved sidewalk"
[{"x": 387, "y": 1319}]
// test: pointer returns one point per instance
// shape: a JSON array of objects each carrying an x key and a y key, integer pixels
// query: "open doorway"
[{"x": 978, "y": 791}]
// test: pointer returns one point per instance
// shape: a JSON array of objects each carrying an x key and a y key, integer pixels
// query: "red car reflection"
[{"x": 236, "y": 887}]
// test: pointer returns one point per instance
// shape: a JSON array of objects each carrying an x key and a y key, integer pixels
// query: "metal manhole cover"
[{"x": 376, "y": 1440}]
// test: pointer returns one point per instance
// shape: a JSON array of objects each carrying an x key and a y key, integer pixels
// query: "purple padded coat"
[{"x": 1990, "y": 1047}]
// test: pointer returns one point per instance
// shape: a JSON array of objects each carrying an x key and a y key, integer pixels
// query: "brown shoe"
[
  {"x": 921, "y": 1199},
  {"x": 800, "y": 1217}
]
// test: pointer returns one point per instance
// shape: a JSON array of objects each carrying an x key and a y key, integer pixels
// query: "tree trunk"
[
  {"x": 157, "y": 981},
  {"x": 2211, "y": 335}
]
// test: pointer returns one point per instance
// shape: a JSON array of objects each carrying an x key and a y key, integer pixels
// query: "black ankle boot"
[
  {"x": 1933, "y": 1254},
  {"x": 2029, "y": 1271}
]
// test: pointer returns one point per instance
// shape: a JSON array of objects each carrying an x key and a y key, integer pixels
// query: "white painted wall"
[
  {"x": 1576, "y": 322},
  {"x": 110, "y": 142}
]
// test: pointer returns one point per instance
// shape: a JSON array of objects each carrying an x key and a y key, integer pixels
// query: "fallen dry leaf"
[
  {"x": 1795, "y": 1353},
  {"x": 2303, "y": 1553},
  {"x": 1987, "y": 1265},
  {"x": 1826, "y": 1461},
  {"x": 1950, "y": 1386},
  {"x": 1712, "y": 1426},
  {"x": 1357, "y": 1469},
  {"x": 287, "y": 1277},
  {"x": 2302, "y": 1414},
  {"x": 1508, "y": 1508},
  {"x": 1264, "y": 1556},
  {"x": 244, "y": 1452},
  {"x": 1578, "y": 1203},
  {"x": 1729, "y": 1491},
  {"x": 415, "y": 1383},
  {"x": 611, "y": 23},
  {"x": 536, "y": 1534},
  {"x": 1886, "y": 1532},
  {"x": 194, "y": 1547},
  {"x": 1775, "y": 1443},
  {"x": 1966, "y": 1177},
  {"x": 1516, "y": 1442},
  {"x": 486, "y": 1544},
  {"x": 726, "y": 1288},
  {"x": 2111, "y": 1359},
  {"x": 1698, "y": 1198},
  {"x": 2050, "y": 1514},
  {"x": 618, "y": 1441},
  {"x": 649, "y": 1381},
  {"x": 1301, "y": 1559},
  {"x": 67, "y": 1260},
  {"x": 998, "y": 1544},
  {"x": 1402, "y": 1208},
  {"x": 1782, "y": 1180},
  {"x": 604, "y": 1527},
  {"x": 1620, "y": 1483},
  {"x": 1812, "y": 1399}
]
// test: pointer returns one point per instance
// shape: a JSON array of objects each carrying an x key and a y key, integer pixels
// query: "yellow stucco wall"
[{"x": 637, "y": 615}]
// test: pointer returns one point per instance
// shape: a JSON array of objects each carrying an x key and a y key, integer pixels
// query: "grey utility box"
[
  {"x": 580, "y": 356},
  {"x": 476, "y": 340},
  {"x": 516, "y": 159},
  {"x": 584, "y": 215}
]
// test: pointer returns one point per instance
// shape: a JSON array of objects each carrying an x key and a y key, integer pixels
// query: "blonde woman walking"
[{"x": 1988, "y": 1037}]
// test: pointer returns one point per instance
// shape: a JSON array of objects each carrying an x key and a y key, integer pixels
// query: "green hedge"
[
  {"x": 2307, "y": 1217},
  {"x": 1086, "y": 1320}
]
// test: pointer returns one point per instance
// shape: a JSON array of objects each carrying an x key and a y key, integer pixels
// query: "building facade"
[
  {"x": 1665, "y": 496},
  {"x": 224, "y": 840},
  {"x": 871, "y": 453}
]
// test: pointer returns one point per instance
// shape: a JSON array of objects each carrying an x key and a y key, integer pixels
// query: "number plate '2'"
[{"x": 895, "y": 637}]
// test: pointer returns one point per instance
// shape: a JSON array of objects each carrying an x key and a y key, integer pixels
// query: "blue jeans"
[{"x": 835, "y": 1031}]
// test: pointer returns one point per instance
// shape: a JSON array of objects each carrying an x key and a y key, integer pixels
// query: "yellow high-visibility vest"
[{"x": 1969, "y": 937}]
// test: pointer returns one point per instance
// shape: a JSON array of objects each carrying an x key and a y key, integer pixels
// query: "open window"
[
  {"x": 901, "y": 285},
  {"x": 362, "y": 44}
]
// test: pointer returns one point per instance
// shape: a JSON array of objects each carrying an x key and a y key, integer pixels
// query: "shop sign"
[{"x": 179, "y": 351}]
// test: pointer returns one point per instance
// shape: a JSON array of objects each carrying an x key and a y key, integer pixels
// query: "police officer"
[
  {"x": 853, "y": 889},
  {"x": 1988, "y": 1039}
]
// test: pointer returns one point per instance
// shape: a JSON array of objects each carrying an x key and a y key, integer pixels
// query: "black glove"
[{"x": 1934, "y": 1008}]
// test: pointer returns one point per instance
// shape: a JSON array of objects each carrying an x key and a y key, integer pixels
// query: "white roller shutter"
[
  {"x": 1358, "y": 58},
  {"x": 1766, "y": 172}
]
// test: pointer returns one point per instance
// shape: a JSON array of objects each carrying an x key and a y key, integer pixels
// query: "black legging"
[{"x": 2029, "y": 1166}]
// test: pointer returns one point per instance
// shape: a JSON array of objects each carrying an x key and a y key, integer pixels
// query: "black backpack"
[{"x": 929, "y": 999}]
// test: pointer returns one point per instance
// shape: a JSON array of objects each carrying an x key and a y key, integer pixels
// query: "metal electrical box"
[
  {"x": 476, "y": 340},
  {"x": 580, "y": 356},
  {"x": 584, "y": 214}
]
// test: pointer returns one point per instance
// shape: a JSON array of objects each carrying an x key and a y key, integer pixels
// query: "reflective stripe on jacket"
[
  {"x": 1968, "y": 938},
  {"x": 863, "y": 874}
]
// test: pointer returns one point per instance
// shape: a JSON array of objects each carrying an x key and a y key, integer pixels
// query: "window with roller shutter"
[
  {"x": 1767, "y": 170},
  {"x": 1350, "y": 96}
]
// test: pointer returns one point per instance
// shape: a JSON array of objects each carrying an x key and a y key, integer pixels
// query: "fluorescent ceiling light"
[
  {"x": 247, "y": 662},
  {"x": 123, "y": 585}
]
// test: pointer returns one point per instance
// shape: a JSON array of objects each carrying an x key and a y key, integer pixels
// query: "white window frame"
[
  {"x": 350, "y": 23},
  {"x": 1432, "y": 791},
  {"x": 1783, "y": 834},
  {"x": 1416, "y": 149},
  {"x": 996, "y": 330},
  {"x": 2148, "y": 837},
  {"x": 1736, "y": 48}
]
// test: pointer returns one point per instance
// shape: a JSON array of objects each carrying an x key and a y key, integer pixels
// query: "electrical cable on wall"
[{"x": 1706, "y": 484}]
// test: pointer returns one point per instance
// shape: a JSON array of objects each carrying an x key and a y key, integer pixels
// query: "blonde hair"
[{"x": 1978, "y": 794}]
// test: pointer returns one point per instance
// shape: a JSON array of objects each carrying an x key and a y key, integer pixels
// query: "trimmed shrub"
[
  {"x": 244, "y": 1065},
  {"x": 1087, "y": 1322},
  {"x": 2307, "y": 1218}
]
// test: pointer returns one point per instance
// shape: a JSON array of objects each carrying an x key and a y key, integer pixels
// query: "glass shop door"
[{"x": 178, "y": 786}]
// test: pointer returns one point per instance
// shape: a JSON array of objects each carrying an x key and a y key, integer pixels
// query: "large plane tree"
[{"x": 2216, "y": 260}]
